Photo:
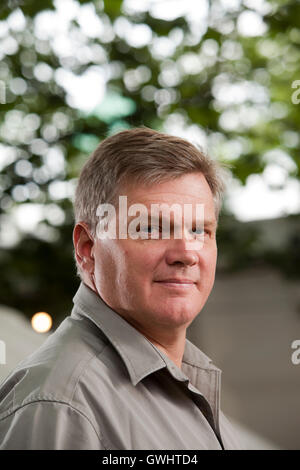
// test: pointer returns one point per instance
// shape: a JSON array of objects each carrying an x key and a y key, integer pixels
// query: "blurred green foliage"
[{"x": 187, "y": 72}]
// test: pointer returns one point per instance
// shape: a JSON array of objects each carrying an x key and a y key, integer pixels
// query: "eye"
[{"x": 198, "y": 231}]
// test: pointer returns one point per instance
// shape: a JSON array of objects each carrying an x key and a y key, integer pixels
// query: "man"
[{"x": 119, "y": 373}]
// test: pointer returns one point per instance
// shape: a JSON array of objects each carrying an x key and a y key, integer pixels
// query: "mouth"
[{"x": 177, "y": 283}]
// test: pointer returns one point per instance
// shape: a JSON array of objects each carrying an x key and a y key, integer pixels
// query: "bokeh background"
[{"x": 224, "y": 74}]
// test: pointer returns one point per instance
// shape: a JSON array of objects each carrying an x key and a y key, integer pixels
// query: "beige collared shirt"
[{"x": 98, "y": 383}]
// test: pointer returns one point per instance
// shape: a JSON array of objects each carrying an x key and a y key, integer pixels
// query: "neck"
[
  {"x": 170, "y": 341},
  {"x": 172, "y": 345}
]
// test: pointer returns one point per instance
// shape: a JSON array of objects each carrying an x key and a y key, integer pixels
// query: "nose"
[{"x": 179, "y": 252}]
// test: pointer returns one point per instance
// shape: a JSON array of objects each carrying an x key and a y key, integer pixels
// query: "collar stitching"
[{"x": 200, "y": 367}]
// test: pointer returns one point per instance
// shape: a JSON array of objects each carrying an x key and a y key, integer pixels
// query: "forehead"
[{"x": 191, "y": 188}]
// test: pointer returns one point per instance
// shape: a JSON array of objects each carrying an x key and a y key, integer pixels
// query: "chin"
[{"x": 176, "y": 316}]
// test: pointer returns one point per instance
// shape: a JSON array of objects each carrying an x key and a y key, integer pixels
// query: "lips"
[{"x": 177, "y": 281}]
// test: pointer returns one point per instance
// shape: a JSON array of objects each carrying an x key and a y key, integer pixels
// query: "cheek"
[
  {"x": 109, "y": 261},
  {"x": 209, "y": 261},
  {"x": 134, "y": 276},
  {"x": 142, "y": 257}
]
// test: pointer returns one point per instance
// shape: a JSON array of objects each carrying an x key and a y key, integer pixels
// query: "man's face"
[{"x": 159, "y": 282}]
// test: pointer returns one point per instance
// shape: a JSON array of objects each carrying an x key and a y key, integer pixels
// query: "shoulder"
[
  {"x": 52, "y": 373},
  {"x": 49, "y": 425}
]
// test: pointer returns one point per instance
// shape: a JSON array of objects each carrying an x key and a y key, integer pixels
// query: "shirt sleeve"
[{"x": 48, "y": 425}]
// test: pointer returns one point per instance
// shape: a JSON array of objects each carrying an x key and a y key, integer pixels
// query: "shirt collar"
[{"x": 140, "y": 356}]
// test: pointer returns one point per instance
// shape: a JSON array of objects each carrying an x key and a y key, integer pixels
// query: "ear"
[{"x": 83, "y": 243}]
